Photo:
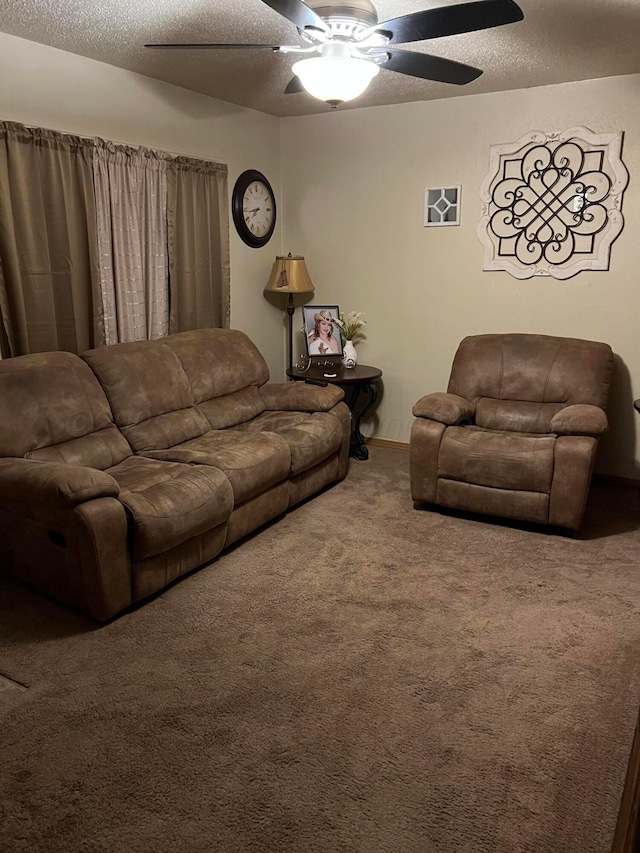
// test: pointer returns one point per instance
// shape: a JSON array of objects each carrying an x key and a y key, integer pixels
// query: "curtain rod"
[{"x": 113, "y": 141}]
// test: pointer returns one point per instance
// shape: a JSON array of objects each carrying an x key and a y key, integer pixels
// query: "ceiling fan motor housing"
[{"x": 362, "y": 13}]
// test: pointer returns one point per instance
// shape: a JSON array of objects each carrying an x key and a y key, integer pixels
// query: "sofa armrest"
[
  {"x": 299, "y": 397},
  {"x": 34, "y": 480},
  {"x": 444, "y": 408},
  {"x": 580, "y": 419}
]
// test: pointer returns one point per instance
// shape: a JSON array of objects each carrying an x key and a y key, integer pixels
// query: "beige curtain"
[
  {"x": 101, "y": 243},
  {"x": 198, "y": 237},
  {"x": 131, "y": 199},
  {"x": 49, "y": 281}
]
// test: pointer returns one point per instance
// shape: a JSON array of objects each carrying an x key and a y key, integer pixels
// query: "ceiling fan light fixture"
[{"x": 335, "y": 79}]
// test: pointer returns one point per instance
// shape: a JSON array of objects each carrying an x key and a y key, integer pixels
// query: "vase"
[{"x": 350, "y": 356}]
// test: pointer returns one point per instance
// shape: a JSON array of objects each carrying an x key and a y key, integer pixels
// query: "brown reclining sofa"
[{"x": 126, "y": 467}]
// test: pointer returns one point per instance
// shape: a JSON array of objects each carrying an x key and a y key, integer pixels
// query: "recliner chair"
[{"x": 516, "y": 434}]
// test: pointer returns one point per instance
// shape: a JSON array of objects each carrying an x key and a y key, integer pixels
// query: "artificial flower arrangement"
[{"x": 351, "y": 325}]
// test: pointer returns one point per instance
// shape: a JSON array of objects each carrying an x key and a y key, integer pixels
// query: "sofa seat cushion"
[
  {"x": 502, "y": 460},
  {"x": 311, "y": 436},
  {"x": 169, "y": 503},
  {"x": 252, "y": 462}
]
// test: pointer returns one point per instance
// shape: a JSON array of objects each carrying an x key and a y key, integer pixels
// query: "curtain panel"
[
  {"x": 101, "y": 242},
  {"x": 131, "y": 204},
  {"x": 198, "y": 232},
  {"x": 49, "y": 280}
]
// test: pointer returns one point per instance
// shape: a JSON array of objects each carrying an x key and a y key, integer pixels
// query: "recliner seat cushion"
[
  {"x": 310, "y": 437},
  {"x": 169, "y": 503},
  {"x": 502, "y": 460},
  {"x": 252, "y": 463}
]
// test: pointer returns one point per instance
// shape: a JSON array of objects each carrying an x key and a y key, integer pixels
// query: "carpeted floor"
[{"x": 358, "y": 677}]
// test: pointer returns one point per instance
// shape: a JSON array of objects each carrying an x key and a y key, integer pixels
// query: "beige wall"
[
  {"x": 353, "y": 184},
  {"x": 51, "y": 88}
]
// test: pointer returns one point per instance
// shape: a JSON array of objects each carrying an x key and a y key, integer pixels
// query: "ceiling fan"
[{"x": 351, "y": 46}]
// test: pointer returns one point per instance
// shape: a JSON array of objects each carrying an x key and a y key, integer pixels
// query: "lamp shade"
[
  {"x": 335, "y": 79},
  {"x": 289, "y": 275}
]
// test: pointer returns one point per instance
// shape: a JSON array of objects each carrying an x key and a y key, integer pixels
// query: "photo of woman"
[{"x": 322, "y": 335}]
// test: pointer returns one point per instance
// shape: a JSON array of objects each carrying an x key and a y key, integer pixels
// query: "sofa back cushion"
[
  {"x": 225, "y": 370},
  {"x": 520, "y": 381},
  {"x": 52, "y": 408},
  {"x": 149, "y": 392}
]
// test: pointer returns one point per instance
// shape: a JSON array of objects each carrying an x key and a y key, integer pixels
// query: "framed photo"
[{"x": 321, "y": 334}]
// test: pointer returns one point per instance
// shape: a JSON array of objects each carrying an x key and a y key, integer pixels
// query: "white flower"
[{"x": 350, "y": 325}]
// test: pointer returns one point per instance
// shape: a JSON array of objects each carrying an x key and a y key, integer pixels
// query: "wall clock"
[{"x": 253, "y": 205}]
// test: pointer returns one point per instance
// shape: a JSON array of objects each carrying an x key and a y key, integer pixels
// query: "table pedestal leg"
[{"x": 358, "y": 449}]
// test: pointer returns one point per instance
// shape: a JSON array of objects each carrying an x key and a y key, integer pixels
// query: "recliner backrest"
[
  {"x": 225, "y": 370},
  {"x": 53, "y": 409},
  {"x": 150, "y": 395},
  {"x": 519, "y": 381}
]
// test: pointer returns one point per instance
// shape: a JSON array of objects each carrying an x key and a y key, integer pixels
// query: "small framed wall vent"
[
  {"x": 442, "y": 206},
  {"x": 551, "y": 203}
]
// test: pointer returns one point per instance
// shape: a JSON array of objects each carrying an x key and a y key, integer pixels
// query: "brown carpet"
[{"x": 358, "y": 677}]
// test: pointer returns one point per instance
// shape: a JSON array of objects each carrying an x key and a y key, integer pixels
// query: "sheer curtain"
[
  {"x": 131, "y": 203},
  {"x": 49, "y": 280}
]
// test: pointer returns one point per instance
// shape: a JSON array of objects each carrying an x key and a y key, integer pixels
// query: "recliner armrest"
[
  {"x": 34, "y": 480},
  {"x": 444, "y": 408},
  {"x": 299, "y": 397},
  {"x": 580, "y": 419}
]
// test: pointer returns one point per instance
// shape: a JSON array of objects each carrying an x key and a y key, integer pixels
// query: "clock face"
[
  {"x": 257, "y": 208},
  {"x": 254, "y": 208}
]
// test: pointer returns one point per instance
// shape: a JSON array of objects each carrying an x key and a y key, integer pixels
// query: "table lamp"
[{"x": 289, "y": 275}]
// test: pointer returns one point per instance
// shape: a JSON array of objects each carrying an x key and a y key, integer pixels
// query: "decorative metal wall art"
[
  {"x": 551, "y": 203},
  {"x": 442, "y": 206}
]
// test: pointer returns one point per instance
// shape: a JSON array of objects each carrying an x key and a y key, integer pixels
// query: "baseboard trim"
[
  {"x": 390, "y": 445},
  {"x": 610, "y": 480},
  {"x": 607, "y": 479}
]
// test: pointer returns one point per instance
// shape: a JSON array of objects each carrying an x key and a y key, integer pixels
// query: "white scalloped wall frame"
[{"x": 552, "y": 203}]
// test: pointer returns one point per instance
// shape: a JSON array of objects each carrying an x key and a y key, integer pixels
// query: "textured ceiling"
[{"x": 558, "y": 41}]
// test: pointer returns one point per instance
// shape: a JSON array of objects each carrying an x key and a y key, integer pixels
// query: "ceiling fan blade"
[
  {"x": 199, "y": 46},
  {"x": 448, "y": 21},
  {"x": 298, "y": 13},
  {"x": 294, "y": 86},
  {"x": 430, "y": 67}
]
